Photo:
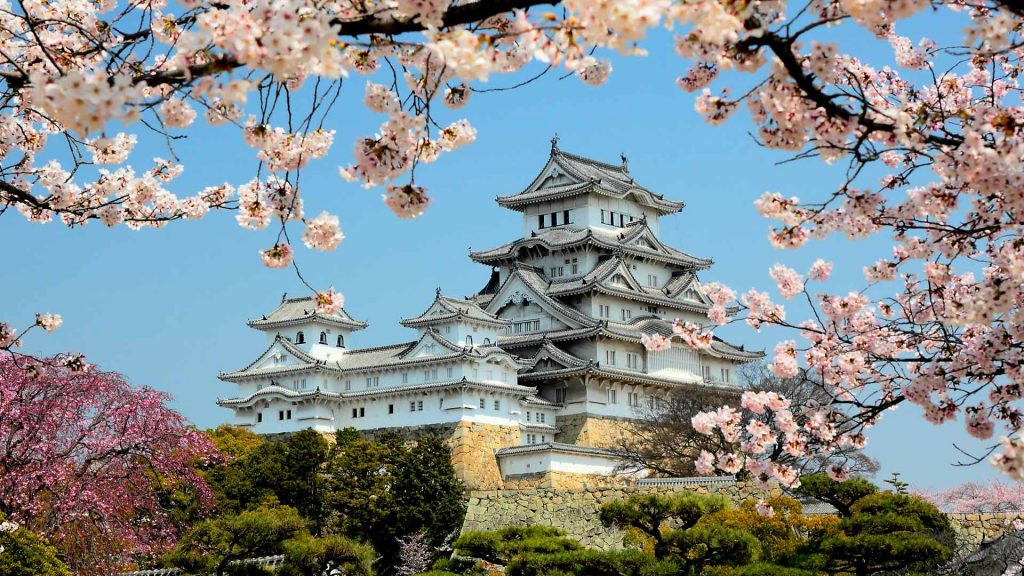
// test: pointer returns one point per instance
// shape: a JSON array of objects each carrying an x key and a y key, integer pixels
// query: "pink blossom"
[
  {"x": 703, "y": 422},
  {"x": 784, "y": 364},
  {"x": 788, "y": 281},
  {"x": 655, "y": 342},
  {"x": 730, "y": 463},
  {"x": 705, "y": 463},
  {"x": 49, "y": 322},
  {"x": 277, "y": 256},
  {"x": 837, "y": 472},
  {"x": 764, "y": 509},
  {"x": 322, "y": 232},
  {"x": 407, "y": 201},
  {"x": 820, "y": 270},
  {"x": 329, "y": 302}
]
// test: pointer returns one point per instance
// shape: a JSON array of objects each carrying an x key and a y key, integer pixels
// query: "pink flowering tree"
[
  {"x": 973, "y": 497},
  {"x": 86, "y": 458},
  {"x": 931, "y": 146}
]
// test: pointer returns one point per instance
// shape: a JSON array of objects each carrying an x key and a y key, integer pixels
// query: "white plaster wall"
[
  {"x": 311, "y": 331},
  {"x": 551, "y": 461},
  {"x": 620, "y": 206},
  {"x": 576, "y": 205}
]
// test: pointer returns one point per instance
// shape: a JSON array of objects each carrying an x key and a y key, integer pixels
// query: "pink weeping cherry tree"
[{"x": 85, "y": 459}]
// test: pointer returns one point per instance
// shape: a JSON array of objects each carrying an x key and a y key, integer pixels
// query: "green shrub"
[
  {"x": 501, "y": 545},
  {"x": 590, "y": 563},
  {"x": 26, "y": 554},
  {"x": 772, "y": 570}
]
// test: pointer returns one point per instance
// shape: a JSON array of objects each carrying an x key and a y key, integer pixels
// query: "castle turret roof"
[
  {"x": 445, "y": 309},
  {"x": 295, "y": 311},
  {"x": 634, "y": 239},
  {"x": 586, "y": 176}
]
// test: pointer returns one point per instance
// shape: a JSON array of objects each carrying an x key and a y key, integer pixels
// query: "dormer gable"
[{"x": 432, "y": 344}]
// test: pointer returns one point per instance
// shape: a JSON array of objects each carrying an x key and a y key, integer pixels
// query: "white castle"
[{"x": 536, "y": 374}]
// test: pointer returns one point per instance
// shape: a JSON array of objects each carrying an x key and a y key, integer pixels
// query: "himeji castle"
[{"x": 538, "y": 374}]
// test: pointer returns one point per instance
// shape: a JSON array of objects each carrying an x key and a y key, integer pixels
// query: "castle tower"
[{"x": 589, "y": 277}]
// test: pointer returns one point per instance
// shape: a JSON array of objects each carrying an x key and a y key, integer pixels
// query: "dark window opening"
[
  {"x": 341, "y": 341},
  {"x": 391, "y": 408},
  {"x": 259, "y": 417},
  {"x": 540, "y": 221},
  {"x": 300, "y": 338},
  {"x": 362, "y": 412},
  {"x": 323, "y": 337}
]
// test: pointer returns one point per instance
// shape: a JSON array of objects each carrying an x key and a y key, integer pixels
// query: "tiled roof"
[
  {"x": 526, "y": 391},
  {"x": 446, "y": 309},
  {"x": 686, "y": 481},
  {"x": 589, "y": 176},
  {"x": 629, "y": 332},
  {"x": 294, "y": 311},
  {"x": 381, "y": 357},
  {"x": 623, "y": 239},
  {"x": 554, "y": 447},
  {"x": 539, "y": 286}
]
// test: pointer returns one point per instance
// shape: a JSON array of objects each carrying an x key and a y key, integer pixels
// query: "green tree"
[
  {"x": 307, "y": 555},
  {"x": 385, "y": 489},
  {"x": 651, "y": 514},
  {"x": 886, "y": 532},
  {"x": 302, "y": 483},
  {"x": 673, "y": 523},
  {"x": 212, "y": 545},
  {"x": 24, "y": 553},
  {"x": 841, "y": 495},
  {"x": 500, "y": 546}
]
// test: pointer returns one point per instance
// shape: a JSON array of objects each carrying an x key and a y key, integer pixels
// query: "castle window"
[
  {"x": 497, "y": 404},
  {"x": 557, "y": 271},
  {"x": 482, "y": 403},
  {"x": 280, "y": 414},
  {"x": 540, "y": 221},
  {"x": 565, "y": 217},
  {"x": 405, "y": 377},
  {"x": 652, "y": 280},
  {"x": 391, "y": 408},
  {"x": 487, "y": 341},
  {"x": 627, "y": 314},
  {"x": 469, "y": 340},
  {"x": 527, "y": 416},
  {"x": 725, "y": 374},
  {"x": 602, "y": 217},
  {"x": 613, "y": 397},
  {"x": 604, "y": 311},
  {"x": 706, "y": 371},
  {"x": 441, "y": 403},
  {"x": 259, "y": 417},
  {"x": 348, "y": 385},
  {"x": 560, "y": 395},
  {"x": 554, "y": 218},
  {"x": 419, "y": 406},
  {"x": 355, "y": 413},
  {"x": 575, "y": 266},
  {"x": 652, "y": 309},
  {"x": 412, "y": 406},
  {"x": 362, "y": 411},
  {"x": 300, "y": 338},
  {"x": 541, "y": 417},
  {"x": 609, "y": 357},
  {"x": 633, "y": 361},
  {"x": 323, "y": 337},
  {"x": 450, "y": 371},
  {"x": 634, "y": 399},
  {"x": 341, "y": 341}
]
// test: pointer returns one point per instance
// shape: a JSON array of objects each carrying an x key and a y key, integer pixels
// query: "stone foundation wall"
[
  {"x": 575, "y": 510},
  {"x": 593, "y": 431},
  {"x": 973, "y": 529},
  {"x": 473, "y": 446}
]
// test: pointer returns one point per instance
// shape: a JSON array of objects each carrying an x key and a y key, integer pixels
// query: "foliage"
[
  {"x": 882, "y": 531},
  {"x": 385, "y": 489},
  {"x": 213, "y": 544},
  {"x": 23, "y": 553},
  {"x": 502, "y": 545},
  {"x": 590, "y": 563},
  {"x": 90, "y": 461},
  {"x": 651, "y": 513},
  {"x": 307, "y": 555},
  {"x": 841, "y": 495}
]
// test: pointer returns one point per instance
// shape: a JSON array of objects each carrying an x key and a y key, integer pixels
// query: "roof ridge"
[{"x": 600, "y": 163}]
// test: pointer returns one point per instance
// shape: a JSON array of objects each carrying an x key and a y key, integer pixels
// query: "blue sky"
[{"x": 168, "y": 308}]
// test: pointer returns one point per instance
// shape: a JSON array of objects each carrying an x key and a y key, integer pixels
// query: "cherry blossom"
[
  {"x": 323, "y": 232},
  {"x": 329, "y": 302},
  {"x": 86, "y": 456},
  {"x": 277, "y": 256}
]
